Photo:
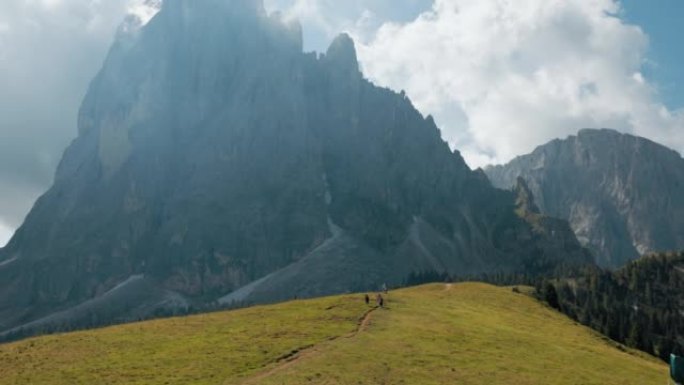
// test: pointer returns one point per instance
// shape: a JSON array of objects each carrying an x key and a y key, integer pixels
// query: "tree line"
[{"x": 639, "y": 305}]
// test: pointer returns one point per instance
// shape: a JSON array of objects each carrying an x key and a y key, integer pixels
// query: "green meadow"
[{"x": 436, "y": 334}]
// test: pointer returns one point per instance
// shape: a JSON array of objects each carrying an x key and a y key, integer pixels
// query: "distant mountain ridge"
[
  {"x": 218, "y": 162},
  {"x": 623, "y": 195}
]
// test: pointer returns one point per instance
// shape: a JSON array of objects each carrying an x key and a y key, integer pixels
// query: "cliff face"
[
  {"x": 623, "y": 195},
  {"x": 213, "y": 153}
]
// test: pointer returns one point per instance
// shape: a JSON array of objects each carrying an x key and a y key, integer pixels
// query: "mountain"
[
  {"x": 216, "y": 161},
  {"x": 435, "y": 334},
  {"x": 638, "y": 304},
  {"x": 623, "y": 195}
]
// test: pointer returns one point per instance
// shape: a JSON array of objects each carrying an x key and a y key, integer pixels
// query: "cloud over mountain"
[
  {"x": 502, "y": 77},
  {"x": 49, "y": 52}
]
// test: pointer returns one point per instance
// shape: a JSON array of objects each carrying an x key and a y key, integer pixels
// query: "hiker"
[
  {"x": 367, "y": 300},
  {"x": 384, "y": 288},
  {"x": 379, "y": 300},
  {"x": 677, "y": 369}
]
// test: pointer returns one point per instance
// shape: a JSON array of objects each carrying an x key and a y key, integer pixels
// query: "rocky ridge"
[{"x": 623, "y": 195}]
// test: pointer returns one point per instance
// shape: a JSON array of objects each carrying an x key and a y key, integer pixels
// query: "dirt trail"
[
  {"x": 365, "y": 321},
  {"x": 298, "y": 355}
]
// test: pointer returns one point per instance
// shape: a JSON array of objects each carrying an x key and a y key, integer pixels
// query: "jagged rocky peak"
[
  {"x": 342, "y": 52},
  {"x": 187, "y": 63},
  {"x": 525, "y": 198}
]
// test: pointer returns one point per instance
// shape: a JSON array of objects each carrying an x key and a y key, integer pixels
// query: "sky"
[
  {"x": 663, "y": 20},
  {"x": 500, "y": 77}
]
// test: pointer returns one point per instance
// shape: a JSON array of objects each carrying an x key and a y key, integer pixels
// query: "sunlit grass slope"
[{"x": 436, "y": 334}]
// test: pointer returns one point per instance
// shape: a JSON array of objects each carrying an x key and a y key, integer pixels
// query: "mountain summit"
[
  {"x": 216, "y": 161},
  {"x": 623, "y": 195}
]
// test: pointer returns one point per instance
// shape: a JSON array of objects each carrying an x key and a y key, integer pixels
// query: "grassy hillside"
[{"x": 436, "y": 334}]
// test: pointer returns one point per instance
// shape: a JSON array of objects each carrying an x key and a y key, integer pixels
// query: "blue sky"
[
  {"x": 663, "y": 21},
  {"x": 500, "y": 77}
]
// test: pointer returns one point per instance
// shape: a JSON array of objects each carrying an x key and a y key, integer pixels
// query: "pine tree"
[
  {"x": 635, "y": 335},
  {"x": 551, "y": 296}
]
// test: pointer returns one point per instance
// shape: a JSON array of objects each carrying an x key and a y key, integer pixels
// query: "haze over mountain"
[
  {"x": 623, "y": 195},
  {"x": 212, "y": 153}
]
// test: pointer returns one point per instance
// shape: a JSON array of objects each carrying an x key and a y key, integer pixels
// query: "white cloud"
[
  {"x": 143, "y": 10},
  {"x": 502, "y": 77},
  {"x": 6, "y": 233}
]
